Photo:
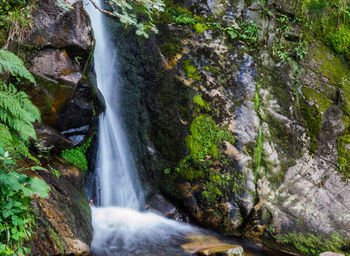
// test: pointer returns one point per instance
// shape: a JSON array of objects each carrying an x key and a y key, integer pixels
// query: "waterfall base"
[{"x": 125, "y": 232}]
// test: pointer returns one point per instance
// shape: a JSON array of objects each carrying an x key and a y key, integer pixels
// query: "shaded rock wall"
[
  {"x": 64, "y": 217},
  {"x": 58, "y": 50},
  {"x": 279, "y": 182}
]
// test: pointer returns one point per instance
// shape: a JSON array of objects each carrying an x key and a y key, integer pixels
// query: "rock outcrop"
[
  {"x": 58, "y": 51},
  {"x": 64, "y": 217},
  {"x": 278, "y": 181}
]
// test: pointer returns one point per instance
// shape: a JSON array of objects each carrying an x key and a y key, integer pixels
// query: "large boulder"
[{"x": 58, "y": 50}]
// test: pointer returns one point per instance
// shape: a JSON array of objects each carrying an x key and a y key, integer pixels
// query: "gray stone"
[{"x": 331, "y": 254}]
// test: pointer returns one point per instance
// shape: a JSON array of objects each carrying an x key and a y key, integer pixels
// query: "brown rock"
[
  {"x": 64, "y": 217},
  {"x": 50, "y": 139},
  {"x": 210, "y": 245},
  {"x": 55, "y": 65},
  {"x": 57, "y": 28}
]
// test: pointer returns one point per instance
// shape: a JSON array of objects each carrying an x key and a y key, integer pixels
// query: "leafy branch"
[{"x": 136, "y": 13}]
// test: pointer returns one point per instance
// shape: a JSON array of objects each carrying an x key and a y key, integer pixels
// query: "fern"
[
  {"x": 17, "y": 111},
  {"x": 9, "y": 62}
]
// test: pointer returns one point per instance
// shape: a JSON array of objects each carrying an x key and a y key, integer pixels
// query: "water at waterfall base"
[{"x": 126, "y": 232}]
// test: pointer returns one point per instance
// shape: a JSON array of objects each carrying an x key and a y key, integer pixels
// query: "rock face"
[
  {"x": 64, "y": 217},
  {"x": 278, "y": 182},
  {"x": 57, "y": 50}
]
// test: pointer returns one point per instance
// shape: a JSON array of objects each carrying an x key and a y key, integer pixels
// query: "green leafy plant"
[
  {"x": 247, "y": 32},
  {"x": 181, "y": 16},
  {"x": 17, "y": 111},
  {"x": 16, "y": 189},
  {"x": 10, "y": 63},
  {"x": 137, "y": 13},
  {"x": 77, "y": 156},
  {"x": 16, "y": 219},
  {"x": 300, "y": 51}
]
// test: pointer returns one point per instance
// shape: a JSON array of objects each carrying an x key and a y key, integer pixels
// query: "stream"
[{"x": 121, "y": 225}]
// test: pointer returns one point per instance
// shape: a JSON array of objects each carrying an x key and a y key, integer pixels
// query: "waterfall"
[
  {"x": 120, "y": 228},
  {"x": 114, "y": 166}
]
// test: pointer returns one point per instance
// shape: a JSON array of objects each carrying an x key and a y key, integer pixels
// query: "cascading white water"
[
  {"x": 115, "y": 168},
  {"x": 119, "y": 226}
]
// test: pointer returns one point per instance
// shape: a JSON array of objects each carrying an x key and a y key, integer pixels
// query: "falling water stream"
[{"x": 121, "y": 227}]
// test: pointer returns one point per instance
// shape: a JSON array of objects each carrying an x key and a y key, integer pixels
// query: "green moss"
[
  {"x": 310, "y": 244},
  {"x": 77, "y": 156},
  {"x": 313, "y": 123},
  {"x": 191, "y": 70},
  {"x": 204, "y": 142},
  {"x": 286, "y": 144},
  {"x": 169, "y": 49},
  {"x": 212, "y": 69},
  {"x": 200, "y": 28},
  {"x": 332, "y": 67},
  {"x": 321, "y": 99},
  {"x": 258, "y": 153},
  {"x": 206, "y": 137},
  {"x": 344, "y": 155},
  {"x": 345, "y": 90},
  {"x": 258, "y": 149},
  {"x": 197, "y": 99},
  {"x": 339, "y": 40}
]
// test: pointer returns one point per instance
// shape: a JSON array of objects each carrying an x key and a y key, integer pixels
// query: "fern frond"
[
  {"x": 17, "y": 111},
  {"x": 9, "y": 62}
]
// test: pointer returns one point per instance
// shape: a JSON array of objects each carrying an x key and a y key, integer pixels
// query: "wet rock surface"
[
  {"x": 57, "y": 50},
  {"x": 64, "y": 217},
  {"x": 206, "y": 245},
  {"x": 292, "y": 191}
]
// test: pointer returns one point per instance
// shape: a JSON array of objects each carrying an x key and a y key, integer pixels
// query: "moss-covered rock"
[{"x": 254, "y": 75}]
